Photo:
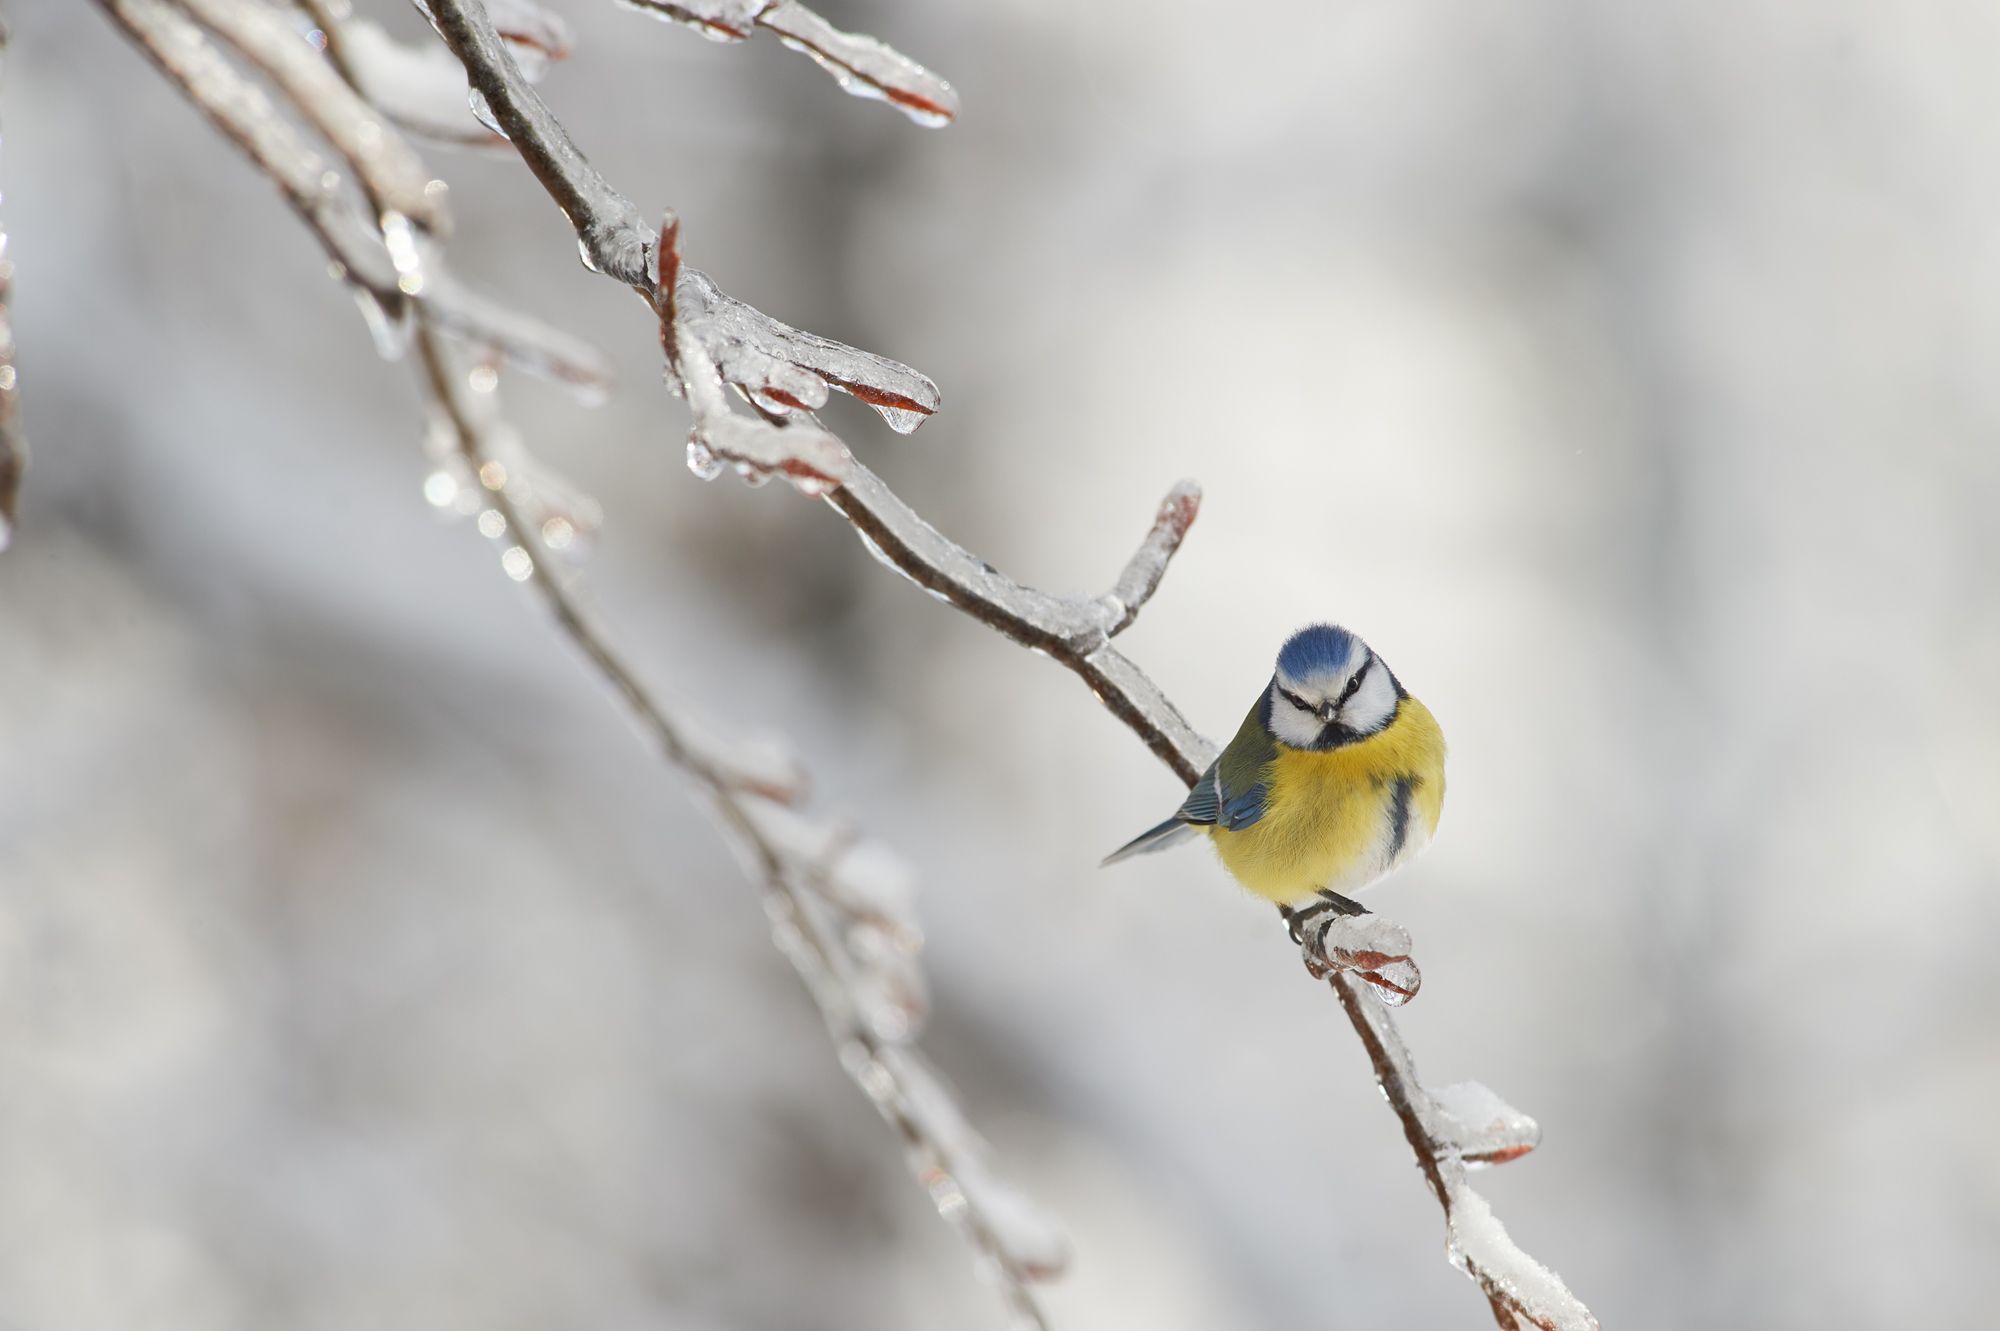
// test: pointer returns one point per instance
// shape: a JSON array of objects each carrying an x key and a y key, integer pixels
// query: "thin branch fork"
[{"x": 617, "y": 242}]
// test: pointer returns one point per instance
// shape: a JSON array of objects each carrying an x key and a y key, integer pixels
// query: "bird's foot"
[
  {"x": 1308, "y": 926},
  {"x": 1339, "y": 934}
]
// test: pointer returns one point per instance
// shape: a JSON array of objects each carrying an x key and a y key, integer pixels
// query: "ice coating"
[
  {"x": 863, "y": 66},
  {"x": 1027, "y": 1239},
  {"x": 788, "y": 369},
  {"x": 379, "y": 155},
  {"x": 859, "y": 64},
  {"x": 717, "y": 20},
  {"x": 421, "y": 88},
  {"x": 1373, "y": 947},
  {"x": 534, "y": 36},
  {"x": 1479, "y": 1126},
  {"x": 555, "y": 513},
  {"x": 520, "y": 340}
]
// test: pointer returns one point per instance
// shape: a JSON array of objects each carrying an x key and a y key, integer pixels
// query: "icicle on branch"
[
  {"x": 1076, "y": 633},
  {"x": 861, "y": 65},
  {"x": 13, "y": 446}
]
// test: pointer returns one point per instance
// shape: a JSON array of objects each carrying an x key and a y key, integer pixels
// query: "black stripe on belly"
[{"x": 1399, "y": 815}]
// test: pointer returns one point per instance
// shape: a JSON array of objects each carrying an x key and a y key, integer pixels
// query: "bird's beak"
[{"x": 1327, "y": 712}]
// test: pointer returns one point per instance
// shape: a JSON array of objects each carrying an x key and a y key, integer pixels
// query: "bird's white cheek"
[
  {"x": 1373, "y": 705},
  {"x": 1294, "y": 727}
]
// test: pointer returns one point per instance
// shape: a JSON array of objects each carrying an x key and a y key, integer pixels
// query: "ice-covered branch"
[
  {"x": 1143, "y": 572},
  {"x": 388, "y": 282},
  {"x": 13, "y": 447},
  {"x": 780, "y": 368},
  {"x": 1465, "y": 1125},
  {"x": 861, "y": 65},
  {"x": 840, "y": 906},
  {"x": 1074, "y": 632},
  {"x": 378, "y": 154}
]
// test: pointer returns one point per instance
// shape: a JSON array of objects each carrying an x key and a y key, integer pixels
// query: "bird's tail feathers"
[{"x": 1170, "y": 833}]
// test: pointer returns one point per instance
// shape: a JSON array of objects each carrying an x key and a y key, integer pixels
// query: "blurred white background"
[{"x": 1622, "y": 372}]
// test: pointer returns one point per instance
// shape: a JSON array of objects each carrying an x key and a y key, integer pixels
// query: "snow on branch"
[
  {"x": 861, "y": 65},
  {"x": 13, "y": 447},
  {"x": 1074, "y": 632}
]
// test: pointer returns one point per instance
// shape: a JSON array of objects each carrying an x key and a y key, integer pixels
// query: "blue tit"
[{"x": 1335, "y": 778}]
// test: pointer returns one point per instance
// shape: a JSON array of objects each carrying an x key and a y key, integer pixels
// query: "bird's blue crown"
[{"x": 1317, "y": 650}]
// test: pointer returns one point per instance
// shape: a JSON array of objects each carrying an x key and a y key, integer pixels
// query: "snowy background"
[{"x": 1623, "y": 373}]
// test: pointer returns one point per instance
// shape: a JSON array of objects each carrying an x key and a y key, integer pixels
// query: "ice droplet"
[
  {"x": 482, "y": 112},
  {"x": 901, "y": 419},
  {"x": 440, "y": 488},
  {"x": 881, "y": 557},
  {"x": 492, "y": 524},
  {"x": 390, "y": 331},
  {"x": 702, "y": 460},
  {"x": 1395, "y": 982},
  {"x": 518, "y": 563},
  {"x": 752, "y": 476}
]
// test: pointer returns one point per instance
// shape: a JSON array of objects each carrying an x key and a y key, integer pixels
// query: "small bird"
[{"x": 1335, "y": 778}]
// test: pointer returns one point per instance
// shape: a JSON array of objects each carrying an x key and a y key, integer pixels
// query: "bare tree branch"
[{"x": 1074, "y": 633}]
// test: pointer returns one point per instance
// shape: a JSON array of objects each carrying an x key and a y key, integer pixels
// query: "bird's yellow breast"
[{"x": 1330, "y": 816}]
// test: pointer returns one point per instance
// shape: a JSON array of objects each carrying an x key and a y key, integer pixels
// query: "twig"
[
  {"x": 861, "y": 65},
  {"x": 371, "y": 145},
  {"x": 1073, "y": 632}
]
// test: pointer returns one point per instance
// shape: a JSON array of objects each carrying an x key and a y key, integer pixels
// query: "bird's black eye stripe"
[
  {"x": 1294, "y": 699},
  {"x": 1353, "y": 685}
]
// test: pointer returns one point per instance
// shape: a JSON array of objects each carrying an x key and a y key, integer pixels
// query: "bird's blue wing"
[
  {"x": 1239, "y": 811},
  {"x": 1203, "y": 805},
  {"x": 1213, "y": 801},
  {"x": 1211, "y": 804},
  {"x": 1240, "y": 772}
]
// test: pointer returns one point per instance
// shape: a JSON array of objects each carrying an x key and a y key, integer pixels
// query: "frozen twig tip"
[{"x": 1148, "y": 566}]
